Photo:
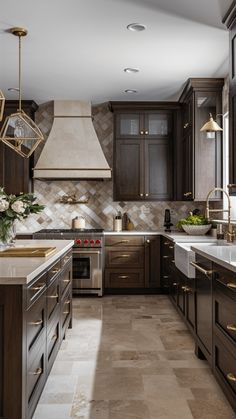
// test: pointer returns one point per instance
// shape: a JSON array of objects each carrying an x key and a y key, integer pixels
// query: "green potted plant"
[{"x": 194, "y": 224}]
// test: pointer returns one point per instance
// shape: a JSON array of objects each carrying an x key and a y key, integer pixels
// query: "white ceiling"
[{"x": 77, "y": 49}]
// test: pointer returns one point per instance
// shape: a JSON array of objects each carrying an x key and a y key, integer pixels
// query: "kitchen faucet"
[{"x": 230, "y": 232}]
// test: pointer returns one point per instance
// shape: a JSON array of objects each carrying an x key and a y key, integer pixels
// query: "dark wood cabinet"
[
  {"x": 38, "y": 314},
  {"x": 143, "y": 150},
  {"x": 201, "y": 166},
  {"x": 16, "y": 171},
  {"x": 132, "y": 263}
]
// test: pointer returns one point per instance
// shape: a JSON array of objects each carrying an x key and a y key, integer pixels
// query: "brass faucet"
[{"x": 230, "y": 232}]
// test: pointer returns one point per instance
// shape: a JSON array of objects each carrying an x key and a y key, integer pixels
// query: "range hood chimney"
[{"x": 72, "y": 150}]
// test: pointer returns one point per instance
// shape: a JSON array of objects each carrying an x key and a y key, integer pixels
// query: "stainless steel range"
[{"x": 87, "y": 257}]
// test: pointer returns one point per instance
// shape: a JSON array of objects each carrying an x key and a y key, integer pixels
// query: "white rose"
[
  {"x": 4, "y": 205},
  {"x": 18, "y": 207}
]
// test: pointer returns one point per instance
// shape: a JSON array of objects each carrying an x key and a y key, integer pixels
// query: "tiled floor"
[{"x": 130, "y": 357}]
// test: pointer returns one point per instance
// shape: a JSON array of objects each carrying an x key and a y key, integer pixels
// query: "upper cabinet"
[
  {"x": 230, "y": 21},
  {"x": 200, "y": 163},
  {"x": 143, "y": 151},
  {"x": 16, "y": 171}
]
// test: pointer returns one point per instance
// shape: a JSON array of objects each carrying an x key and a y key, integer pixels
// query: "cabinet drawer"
[
  {"x": 123, "y": 241},
  {"x": 36, "y": 321},
  {"x": 36, "y": 377},
  {"x": 53, "y": 298},
  {"x": 224, "y": 312},
  {"x": 130, "y": 278},
  {"x": 66, "y": 258},
  {"x": 66, "y": 311},
  {"x": 225, "y": 365},
  {"x": 226, "y": 278},
  {"x": 35, "y": 289},
  {"x": 130, "y": 257},
  {"x": 66, "y": 278},
  {"x": 53, "y": 271},
  {"x": 53, "y": 343}
]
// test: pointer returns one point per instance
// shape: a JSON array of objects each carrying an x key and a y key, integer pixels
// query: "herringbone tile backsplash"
[{"x": 101, "y": 208}]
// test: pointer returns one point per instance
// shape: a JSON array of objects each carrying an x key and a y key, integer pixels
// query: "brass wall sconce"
[
  {"x": 19, "y": 131},
  {"x": 2, "y": 104},
  {"x": 211, "y": 127}
]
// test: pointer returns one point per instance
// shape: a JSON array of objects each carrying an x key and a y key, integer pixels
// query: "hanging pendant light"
[
  {"x": 211, "y": 127},
  {"x": 19, "y": 131},
  {"x": 2, "y": 104}
]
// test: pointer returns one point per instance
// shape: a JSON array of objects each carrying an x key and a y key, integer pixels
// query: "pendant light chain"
[{"x": 19, "y": 73}]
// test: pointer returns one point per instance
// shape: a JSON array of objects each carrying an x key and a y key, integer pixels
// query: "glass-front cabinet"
[{"x": 146, "y": 124}]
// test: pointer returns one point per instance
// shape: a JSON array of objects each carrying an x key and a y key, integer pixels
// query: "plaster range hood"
[{"x": 72, "y": 150}]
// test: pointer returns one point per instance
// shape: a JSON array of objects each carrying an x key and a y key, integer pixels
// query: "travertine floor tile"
[{"x": 130, "y": 357}]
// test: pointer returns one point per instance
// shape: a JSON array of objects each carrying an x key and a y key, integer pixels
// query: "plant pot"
[{"x": 196, "y": 230}]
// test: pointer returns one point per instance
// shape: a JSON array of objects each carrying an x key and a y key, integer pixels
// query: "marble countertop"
[
  {"x": 224, "y": 255},
  {"x": 174, "y": 235},
  {"x": 21, "y": 270}
]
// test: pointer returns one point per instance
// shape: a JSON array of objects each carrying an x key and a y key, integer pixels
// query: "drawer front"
[
  {"x": 35, "y": 289},
  {"x": 126, "y": 257},
  {"x": 36, "y": 322},
  {"x": 53, "y": 298},
  {"x": 168, "y": 247},
  {"x": 53, "y": 271},
  {"x": 66, "y": 278},
  {"x": 123, "y": 241},
  {"x": 225, "y": 365},
  {"x": 66, "y": 312},
  {"x": 224, "y": 312},
  {"x": 130, "y": 278},
  {"x": 36, "y": 377},
  {"x": 53, "y": 343},
  {"x": 226, "y": 278},
  {"x": 66, "y": 258}
]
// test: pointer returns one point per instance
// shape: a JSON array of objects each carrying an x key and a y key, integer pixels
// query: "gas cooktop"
[{"x": 71, "y": 230}]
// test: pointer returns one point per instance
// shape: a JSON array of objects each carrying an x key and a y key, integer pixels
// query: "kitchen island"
[{"x": 35, "y": 312}]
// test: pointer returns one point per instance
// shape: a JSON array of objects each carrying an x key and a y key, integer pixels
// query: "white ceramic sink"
[{"x": 184, "y": 255}]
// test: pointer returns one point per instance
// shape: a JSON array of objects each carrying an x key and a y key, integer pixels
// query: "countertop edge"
[{"x": 215, "y": 259}]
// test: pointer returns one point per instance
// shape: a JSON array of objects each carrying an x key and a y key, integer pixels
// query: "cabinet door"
[
  {"x": 129, "y": 125},
  {"x": 158, "y": 169},
  {"x": 190, "y": 302},
  {"x": 232, "y": 135},
  {"x": 128, "y": 180},
  {"x": 187, "y": 167},
  {"x": 152, "y": 262},
  {"x": 157, "y": 124},
  {"x": 16, "y": 171}
]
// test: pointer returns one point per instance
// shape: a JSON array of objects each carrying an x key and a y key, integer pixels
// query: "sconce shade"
[
  {"x": 21, "y": 134},
  {"x": 211, "y": 126},
  {"x": 2, "y": 104}
]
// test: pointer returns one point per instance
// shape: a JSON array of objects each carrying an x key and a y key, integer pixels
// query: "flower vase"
[{"x": 7, "y": 233}]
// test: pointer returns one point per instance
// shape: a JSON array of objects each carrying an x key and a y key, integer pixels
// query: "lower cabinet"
[
  {"x": 132, "y": 263},
  {"x": 33, "y": 322}
]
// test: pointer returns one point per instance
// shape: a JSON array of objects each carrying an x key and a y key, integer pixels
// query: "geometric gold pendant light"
[{"x": 19, "y": 131}]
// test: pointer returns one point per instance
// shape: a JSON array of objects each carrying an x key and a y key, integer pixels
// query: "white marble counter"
[
  {"x": 174, "y": 235},
  {"x": 21, "y": 270},
  {"x": 224, "y": 255}
]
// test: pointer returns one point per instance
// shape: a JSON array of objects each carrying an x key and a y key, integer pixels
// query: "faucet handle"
[{"x": 230, "y": 236}]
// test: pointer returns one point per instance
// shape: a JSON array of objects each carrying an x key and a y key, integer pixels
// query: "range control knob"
[
  {"x": 92, "y": 241},
  {"x": 86, "y": 241},
  {"x": 98, "y": 241},
  {"x": 78, "y": 241}
]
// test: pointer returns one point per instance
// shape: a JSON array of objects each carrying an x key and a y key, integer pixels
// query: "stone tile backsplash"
[{"x": 101, "y": 208}]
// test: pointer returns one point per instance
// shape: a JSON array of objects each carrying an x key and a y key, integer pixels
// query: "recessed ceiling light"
[
  {"x": 131, "y": 91},
  {"x": 136, "y": 27},
  {"x": 131, "y": 70}
]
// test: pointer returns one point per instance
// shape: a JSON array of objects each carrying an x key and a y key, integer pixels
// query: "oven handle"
[{"x": 98, "y": 252}]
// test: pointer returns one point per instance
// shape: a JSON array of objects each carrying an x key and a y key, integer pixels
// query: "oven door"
[{"x": 87, "y": 270}]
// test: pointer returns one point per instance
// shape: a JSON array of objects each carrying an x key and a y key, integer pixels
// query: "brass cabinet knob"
[
  {"x": 146, "y": 194},
  {"x": 186, "y": 194},
  {"x": 186, "y": 125},
  {"x": 66, "y": 281},
  {"x": 141, "y": 132},
  {"x": 53, "y": 296},
  {"x": 146, "y": 132},
  {"x": 147, "y": 241},
  {"x": 37, "y": 372},
  {"x": 175, "y": 284},
  {"x": 141, "y": 194}
]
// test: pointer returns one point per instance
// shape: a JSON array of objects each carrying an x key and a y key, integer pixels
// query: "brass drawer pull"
[
  {"x": 231, "y": 327},
  {"x": 171, "y": 247},
  {"x": 123, "y": 276},
  {"x": 165, "y": 276},
  {"x": 67, "y": 302},
  {"x": 53, "y": 296},
  {"x": 166, "y": 243},
  {"x": 183, "y": 288},
  {"x": 173, "y": 261},
  {"x": 66, "y": 312},
  {"x": 165, "y": 257},
  {"x": 202, "y": 270},
  {"x": 188, "y": 290},
  {"x": 175, "y": 284},
  {"x": 231, "y": 376},
  {"x": 122, "y": 256},
  {"x": 231, "y": 285},
  {"x": 37, "y": 323},
  {"x": 124, "y": 241},
  {"x": 54, "y": 337},
  {"x": 54, "y": 271},
  {"x": 66, "y": 281},
  {"x": 37, "y": 372},
  {"x": 66, "y": 258},
  {"x": 186, "y": 194},
  {"x": 39, "y": 287}
]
